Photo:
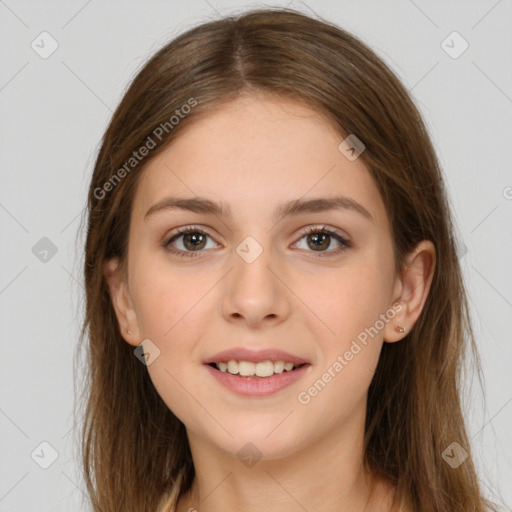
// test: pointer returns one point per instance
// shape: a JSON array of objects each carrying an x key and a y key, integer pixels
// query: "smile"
[
  {"x": 246, "y": 382},
  {"x": 248, "y": 369}
]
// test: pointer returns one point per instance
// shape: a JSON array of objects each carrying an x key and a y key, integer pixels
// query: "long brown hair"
[{"x": 134, "y": 450}]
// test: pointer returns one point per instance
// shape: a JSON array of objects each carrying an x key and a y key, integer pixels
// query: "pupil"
[
  {"x": 323, "y": 238},
  {"x": 195, "y": 238}
]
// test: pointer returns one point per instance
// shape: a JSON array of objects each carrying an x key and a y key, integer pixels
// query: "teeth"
[
  {"x": 233, "y": 367},
  {"x": 245, "y": 368},
  {"x": 248, "y": 369},
  {"x": 279, "y": 366}
]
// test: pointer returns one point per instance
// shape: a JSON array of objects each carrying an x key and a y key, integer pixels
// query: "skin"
[{"x": 254, "y": 154}]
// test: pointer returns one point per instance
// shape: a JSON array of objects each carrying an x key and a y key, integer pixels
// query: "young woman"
[{"x": 276, "y": 318}]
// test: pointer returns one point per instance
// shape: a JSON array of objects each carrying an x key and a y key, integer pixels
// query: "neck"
[{"x": 328, "y": 476}]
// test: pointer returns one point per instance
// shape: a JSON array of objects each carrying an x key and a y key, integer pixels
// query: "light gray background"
[{"x": 54, "y": 112}]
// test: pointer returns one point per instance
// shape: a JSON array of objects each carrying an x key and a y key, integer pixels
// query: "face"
[{"x": 307, "y": 281}]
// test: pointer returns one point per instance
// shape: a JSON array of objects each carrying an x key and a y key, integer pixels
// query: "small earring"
[
  {"x": 399, "y": 328},
  {"x": 129, "y": 332}
]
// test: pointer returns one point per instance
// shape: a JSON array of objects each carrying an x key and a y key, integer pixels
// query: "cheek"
[
  {"x": 337, "y": 388},
  {"x": 345, "y": 301},
  {"x": 350, "y": 308},
  {"x": 166, "y": 297},
  {"x": 171, "y": 310}
]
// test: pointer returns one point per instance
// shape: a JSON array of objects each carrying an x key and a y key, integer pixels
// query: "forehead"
[{"x": 256, "y": 152}]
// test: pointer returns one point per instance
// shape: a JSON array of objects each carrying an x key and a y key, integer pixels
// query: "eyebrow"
[{"x": 291, "y": 208}]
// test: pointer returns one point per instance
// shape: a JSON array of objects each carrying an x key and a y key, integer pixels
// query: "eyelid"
[
  {"x": 324, "y": 228},
  {"x": 342, "y": 239},
  {"x": 183, "y": 230}
]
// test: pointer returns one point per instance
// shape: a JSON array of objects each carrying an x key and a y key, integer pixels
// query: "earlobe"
[
  {"x": 121, "y": 301},
  {"x": 397, "y": 328},
  {"x": 414, "y": 286}
]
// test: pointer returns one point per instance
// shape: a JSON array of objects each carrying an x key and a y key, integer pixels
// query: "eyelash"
[{"x": 345, "y": 244}]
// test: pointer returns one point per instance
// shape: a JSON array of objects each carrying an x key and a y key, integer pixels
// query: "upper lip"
[{"x": 254, "y": 356}]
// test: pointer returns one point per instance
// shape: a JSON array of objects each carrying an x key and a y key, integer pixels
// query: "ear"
[
  {"x": 411, "y": 290},
  {"x": 121, "y": 301}
]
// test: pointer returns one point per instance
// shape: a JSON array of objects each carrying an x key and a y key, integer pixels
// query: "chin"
[{"x": 258, "y": 439}]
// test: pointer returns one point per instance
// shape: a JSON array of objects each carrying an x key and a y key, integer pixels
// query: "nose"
[{"x": 255, "y": 293}]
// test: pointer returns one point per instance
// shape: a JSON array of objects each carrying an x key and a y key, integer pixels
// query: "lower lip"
[{"x": 258, "y": 386}]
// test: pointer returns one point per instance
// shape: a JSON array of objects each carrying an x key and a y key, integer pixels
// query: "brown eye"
[
  {"x": 194, "y": 241},
  {"x": 188, "y": 242},
  {"x": 319, "y": 241}
]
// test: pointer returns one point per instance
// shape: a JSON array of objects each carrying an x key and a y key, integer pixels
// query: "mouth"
[
  {"x": 256, "y": 373},
  {"x": 257, "y": 380},
  {"x": 260, "y": 370}
]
